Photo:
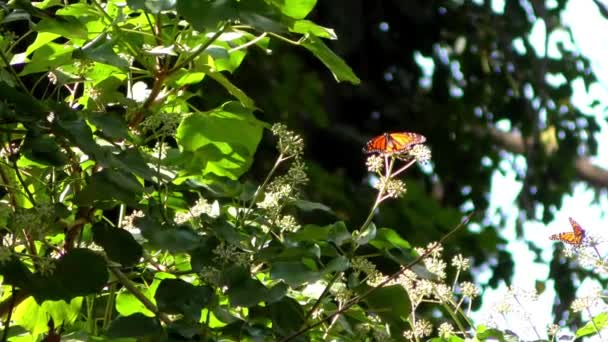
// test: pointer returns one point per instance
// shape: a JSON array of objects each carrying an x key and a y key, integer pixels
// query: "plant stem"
[
  {"x": 325, "y": 291},
  {"x": 597, "y": 330},
  {"x": 7, "y": 323},
  {"x": 200, "y": 49},
  {"x": 126, "y": 282},
  {"x": 378, "y": 200},
  {"x": 279, "y": 160}
]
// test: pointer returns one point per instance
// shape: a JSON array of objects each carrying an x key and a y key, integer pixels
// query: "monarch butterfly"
[
  {"x": 389, "y": 143},
  {"x": 574, "y": 238}
]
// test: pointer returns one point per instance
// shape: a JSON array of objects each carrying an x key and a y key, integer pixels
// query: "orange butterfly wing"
[
  {"x": 389, "y": 143},
  {"x": 574, "y": 238}
]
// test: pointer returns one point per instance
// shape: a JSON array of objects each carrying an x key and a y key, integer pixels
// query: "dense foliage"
[{"x": 148, "y": 194}]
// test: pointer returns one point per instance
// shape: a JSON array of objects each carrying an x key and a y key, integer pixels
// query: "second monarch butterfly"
[
  {"x": 574, "y": 238},
  {"x": 397, "y": 142}
]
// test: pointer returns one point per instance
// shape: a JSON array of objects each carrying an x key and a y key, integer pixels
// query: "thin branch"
[{"x": 126, "y": 282}]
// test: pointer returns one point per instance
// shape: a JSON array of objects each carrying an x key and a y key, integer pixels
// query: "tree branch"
[{"x": 513, "y": 142}]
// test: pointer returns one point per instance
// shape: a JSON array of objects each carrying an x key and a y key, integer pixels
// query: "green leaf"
[
  {"x": 598, "y": 323},
  {"x": 102, "y": 51},
  {"x": 136, "y": 325},
  {"x": 222, "y": 141},
  {"x": 366, "y": 235},
  {"x": 43, "y": 149},
  {"x": 232, "y": 89},
  {"x": 203, "y": 255},
  {"x": 390, "y": 302},
  {"x": 449, "y": 339},
  {"x": 68, "y": 27},
  {"x": 310, "y": 232},
  {"x": 308, "y": 27},
  {"x": 48, "y": 57},
  {"x": 287, "y": 316},
  {"x": 173, "y": 239},
  {"x": 484, "y": 333},
  {"x": 111, "y": 124},
  {"x": 176, "y": 296},
  {"x": 119, "y": 244},
  {"x": 81, "y": 272},
  {"x": 337, "y": 264},
  {"x": 250, "y": 292},
  {"x": 184, "y": 77},
  {"x": 339, "y": 234},
  {"x": 128, "y": 304},
  {"x": 133, "y": 161},
  {"x": 34, "y": 317},
  {"x": 42, "y": 39},
  {"x": 337, "y": 66},
  {"x": 297, "y": 9},
  {"x": 387, "y": 238},
  {"x": 294, "y": 273},
  {"x": 110, "y": 187},
  {"x": 206, "y": 15},
  {"x": 153, "y": 6},
  {"x": 311, "y": 206}
]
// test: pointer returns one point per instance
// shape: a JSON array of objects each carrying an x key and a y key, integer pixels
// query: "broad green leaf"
[
  {"x": 35, "y": 317},
  {"x": 176, "y": 296},
  {"x": 154, "y": 6},
  {"x": 232, "y": 89},
  {"x": 43, "y": 149},
  {"x": 250, "y": 292},
  {"x": 311, "y": 232},
  {"x": 598, "y": 323},
  {"x": 171, "y": 238},
  {"x": 311, "y": 206},
  {"x": 365, "y": 236},
  {"x": 339, "y": 234},
  {"x": 337, "y": 66},
  {"x": 127, "y": 304},
  {"x": 42, "y": 38},
  {"x": 102, "y": 51},
  {"x": 30, "y": 108},
  {"x": 111, "y": 124},
  {"x": 391, "y": 303},
  {"x": 309, "y": 27},
  {"x": 79, "y": 10},
  {"x": 387, "y": 238},
  {"x": 109, "y": 186},
  {"x": 184, "y": 77},
  {"x": 222, "y": 141},
  {"x": 337, "y": 264},
  {"x": 287, "y": 316},
  {"x": 119, "y": 244},
  {"x": 48, "y": 57},
  {"x": 68, "y": 27},
  {"x": 293, "y": 273},
  {"x": 203, "y": 255},
  {"x": 484, "y": 333},
  {"x": 206, "y": 15},
  {"x": 136, "y": 325},
  {"x": 81, "y": 272},
  {"x": 132, "y": 160},
  {"x": 296, "y": 9},
  {"x": 449, "y": 339}
]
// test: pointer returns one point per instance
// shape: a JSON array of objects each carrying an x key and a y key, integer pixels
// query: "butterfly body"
[
  {"x": 574, "y": 238},
  {"x": 391, "y": 143}
]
